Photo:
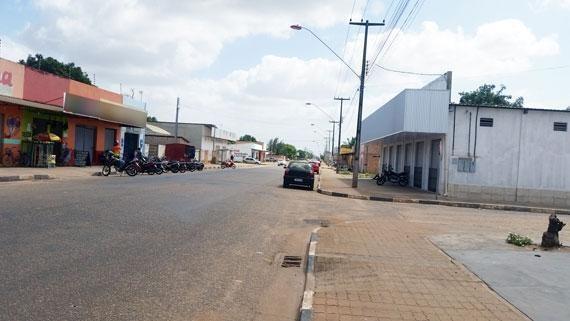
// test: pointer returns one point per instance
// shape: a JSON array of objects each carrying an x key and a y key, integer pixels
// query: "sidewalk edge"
[
  {"x": 306, "y": 312},
  {"x": 483, "y": 206},
  {"x": 487, "y": 285}
]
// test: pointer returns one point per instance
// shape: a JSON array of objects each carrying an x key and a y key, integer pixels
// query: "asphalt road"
[{"x": 194, "y": 246}]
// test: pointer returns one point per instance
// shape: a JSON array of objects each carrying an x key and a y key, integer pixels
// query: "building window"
[
  {"x": 486, "y": 122},
  {"x": 560, "y": 127},
  {"x": 466, "y": 165}
]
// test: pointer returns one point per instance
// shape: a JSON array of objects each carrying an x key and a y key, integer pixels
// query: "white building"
[
  {"x": 494, "y": 154},
  {"x": 208, "y": 139},
  {"x": 249, "y": 149}
]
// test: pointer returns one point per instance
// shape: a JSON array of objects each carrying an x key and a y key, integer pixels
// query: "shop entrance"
[
  {"x": 42, "y": 126},
  {"x": 419, "y": 164},
  {"x": 1, "y": 136},
  {"x": 85, "y": 142},
  {"x": 434, "y": 165},
  {"x": 110, "y": 135},
  {"x": 131, "y": 144}
]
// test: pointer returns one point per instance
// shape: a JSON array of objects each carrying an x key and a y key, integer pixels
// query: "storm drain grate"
[
  {"x": 291, "y": 261},
  {"x": 322, "y": 223}
]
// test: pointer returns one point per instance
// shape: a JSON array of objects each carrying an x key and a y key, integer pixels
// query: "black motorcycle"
[
  {"x": 111, "y": 161},
  {"x": 389, "y": 175}
]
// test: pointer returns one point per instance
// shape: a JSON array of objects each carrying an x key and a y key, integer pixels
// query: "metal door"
[
  {"x": 131, "y": 144},
  {"x": 435, "y": 157},
  {"x": 407, "y": 157},
  {"x": 85, "y": 140},
  {"x": 419, "y": 164},
  {"x": 110, "y": 135}
]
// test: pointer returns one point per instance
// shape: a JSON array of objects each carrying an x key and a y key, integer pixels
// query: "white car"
[{"x": 251, "y": 160}]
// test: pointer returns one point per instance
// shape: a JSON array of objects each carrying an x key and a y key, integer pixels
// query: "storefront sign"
[
  {"x": 104, "y": 110},
  {"x": 11, "y": 79}
]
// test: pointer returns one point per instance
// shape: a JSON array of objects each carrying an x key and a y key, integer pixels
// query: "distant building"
[
  {"x": 208, "y": 139},
  {"x": 491, "y": 154},
  {"x": 249, "y": 149}
]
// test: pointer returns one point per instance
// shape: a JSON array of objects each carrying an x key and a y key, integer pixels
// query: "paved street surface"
[
  {"x": 209, "y": 245},
  {"x": 194, "y": 246}
]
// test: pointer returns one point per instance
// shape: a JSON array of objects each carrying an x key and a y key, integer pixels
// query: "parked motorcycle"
[
  {"x": 228, "y": 164},
  {"x": 110, "y": 161},
  {"x": 389, "y": 175}
]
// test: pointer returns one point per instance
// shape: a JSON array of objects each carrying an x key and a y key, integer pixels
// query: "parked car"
[
  {"x": 299, "y": 173},
  {"x": 251, "y": 160},
  {"x": 316, "y": 166},
  {"x": 282, "y": 163}
]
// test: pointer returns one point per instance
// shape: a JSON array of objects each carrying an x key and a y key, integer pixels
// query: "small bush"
[{"x": 518, "y": 240}]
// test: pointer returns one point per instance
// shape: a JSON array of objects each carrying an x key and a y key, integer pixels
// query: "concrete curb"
[
  {"x": 16, "y": 178},
  {"x": 485, "y": 206},
  {"x": 307, "y": 303}
]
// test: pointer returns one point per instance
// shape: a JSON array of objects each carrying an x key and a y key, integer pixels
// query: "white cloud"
[
  {"x": 540, "y": 5},
  {"x": 157, "y": 46}
]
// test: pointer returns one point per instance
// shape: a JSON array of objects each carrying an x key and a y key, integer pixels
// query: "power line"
[{"x": 407, "y": 72}]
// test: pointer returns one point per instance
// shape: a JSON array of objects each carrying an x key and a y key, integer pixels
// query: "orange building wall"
[
  {"x": 11, "y": 135},
  {"x": 99, "y": 126},
  {"x": 92, "y": 92},
  {"x": 44, "y": 88}
]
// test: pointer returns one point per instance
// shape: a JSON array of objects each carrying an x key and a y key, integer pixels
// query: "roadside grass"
[{"x": 518, "y": 240}]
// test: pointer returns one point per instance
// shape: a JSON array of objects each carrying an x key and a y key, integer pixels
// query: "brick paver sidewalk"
[{"x": 386, "y": 269}]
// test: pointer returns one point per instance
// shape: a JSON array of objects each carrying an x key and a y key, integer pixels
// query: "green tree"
[
  {"x": 247, "y": 138},
  {"x": 151, "y": 118},
  {"x": 288, "y": 150},
  {"x": 53, "y": 66},
  {"x": 349, "y": 142},
  {"x": 486, "y": 95},
  {"x": 301, "y": 154}
]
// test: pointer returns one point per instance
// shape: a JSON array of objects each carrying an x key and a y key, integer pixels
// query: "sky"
[{"x": 239, "y": 65}]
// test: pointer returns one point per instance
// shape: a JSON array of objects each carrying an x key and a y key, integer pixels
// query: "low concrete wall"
[{"x": 550, "y": 198}]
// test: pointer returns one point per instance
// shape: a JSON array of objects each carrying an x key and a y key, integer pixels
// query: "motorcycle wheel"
[
  {"x": 234, "y": 166},
  {"x": 403, "y": 182},
  {"x": 174, "y": 169},
  {"x": 182, "y": 168},
  {"x": 192, "y": 168},
  {"x": 381, "y": 180},
  {"x": 223, "y": 166},
  {"x": 131, "y": 170},
  {"x": 106, "y": 170},
  {"x": 159, "y": 171}
]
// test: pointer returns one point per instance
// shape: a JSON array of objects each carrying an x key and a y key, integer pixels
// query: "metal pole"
[
  {"x": 356, "y": 159},
  {"x": 213, "y": 140},
  {"x": 176, "y": 122},
  {"x": 333, "y": 122},
  {"x": 339, "y": 131}
]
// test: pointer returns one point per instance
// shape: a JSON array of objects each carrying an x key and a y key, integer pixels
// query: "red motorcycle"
[{"x": 228, "y": 164}]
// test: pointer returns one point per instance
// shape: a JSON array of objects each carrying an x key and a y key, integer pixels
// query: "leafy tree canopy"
[
  {"x": 349, "y": 142},
  {"x": 53, "y": 66},
  {"x": 488, "y": 96},
  {"x": 247, "y": 138}
]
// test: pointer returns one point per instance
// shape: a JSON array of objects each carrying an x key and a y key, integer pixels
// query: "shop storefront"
[{"x": 47, "y": 120}]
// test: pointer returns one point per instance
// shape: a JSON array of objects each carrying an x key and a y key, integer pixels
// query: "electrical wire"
[{"x": 407, "y": 72}]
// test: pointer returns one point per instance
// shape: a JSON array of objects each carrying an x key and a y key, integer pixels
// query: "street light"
[
  {"x": 361, "y": 77},
  {"x": 299, "y": 27},
  {"x": 319, "y": 107}
]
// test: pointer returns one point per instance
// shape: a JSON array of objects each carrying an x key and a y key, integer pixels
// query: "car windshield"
[{"x": 299, "y": 165}]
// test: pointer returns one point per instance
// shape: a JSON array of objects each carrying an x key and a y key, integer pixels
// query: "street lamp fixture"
[{"x": 299, "y": 27}]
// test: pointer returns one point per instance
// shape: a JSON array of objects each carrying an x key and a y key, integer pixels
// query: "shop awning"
[
  {"x": 104, "y": 110},
  {"x": 27, "y": 103}
]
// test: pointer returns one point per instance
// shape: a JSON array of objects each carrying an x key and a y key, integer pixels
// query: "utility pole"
[
  {"x": 176, "y": 122},
  {"x": 339, "y": 130},
  {"x": 329, "y": 139},
  {"x": 356, "y": 158},
  {"x": 333, "y": 122}
]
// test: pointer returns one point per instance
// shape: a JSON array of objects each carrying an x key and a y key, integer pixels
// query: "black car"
[{"x": 299, "y": 173}]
